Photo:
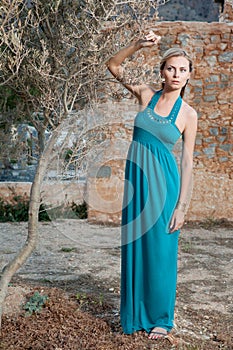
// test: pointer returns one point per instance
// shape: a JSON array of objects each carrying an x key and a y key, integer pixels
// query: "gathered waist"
[{"x": 145, "y": 137}]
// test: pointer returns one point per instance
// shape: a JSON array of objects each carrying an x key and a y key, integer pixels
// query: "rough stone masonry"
[{"x": 210, "y": 93}]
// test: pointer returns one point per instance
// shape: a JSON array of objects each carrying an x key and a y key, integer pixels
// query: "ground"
[{"x": 77, "y": 265}]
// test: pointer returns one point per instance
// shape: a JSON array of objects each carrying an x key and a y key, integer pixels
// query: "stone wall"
[
  {"x": 227, "y": 13},
  {"x": 210, "y": 93},
  {"x": 191, "y": 10},
  {"x": 53, "y": 193}
]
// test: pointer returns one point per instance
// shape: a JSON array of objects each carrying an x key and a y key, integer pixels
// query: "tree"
[{"x": 52, "y": 60}]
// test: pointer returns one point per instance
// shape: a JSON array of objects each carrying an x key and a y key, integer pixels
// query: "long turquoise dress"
[{"x": 149, "y": 251}]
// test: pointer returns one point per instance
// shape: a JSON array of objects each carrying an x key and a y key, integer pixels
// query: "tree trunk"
[
  {"x": 10, "y": 269},
  {"x": 41, "y": 140}
]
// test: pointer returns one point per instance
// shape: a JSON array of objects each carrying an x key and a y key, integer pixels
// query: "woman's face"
[{"x": 176, "y": 72}]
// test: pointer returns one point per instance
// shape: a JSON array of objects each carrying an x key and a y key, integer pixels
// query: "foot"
[{"x": 157, "y": 333}]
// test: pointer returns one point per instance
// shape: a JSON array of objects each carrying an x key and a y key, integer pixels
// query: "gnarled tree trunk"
[{"x": 10, "y": 269}]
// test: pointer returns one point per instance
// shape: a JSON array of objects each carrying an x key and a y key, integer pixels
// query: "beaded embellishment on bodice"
[{"x": 163, "y": 120}]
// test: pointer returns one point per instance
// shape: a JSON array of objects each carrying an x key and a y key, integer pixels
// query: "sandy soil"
[{"x": 82, "y": 258}]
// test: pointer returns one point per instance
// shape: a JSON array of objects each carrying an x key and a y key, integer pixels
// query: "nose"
[{"x": 176, "y": 73}]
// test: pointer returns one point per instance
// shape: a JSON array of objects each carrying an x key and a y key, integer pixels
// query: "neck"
[{"x": 170, "y": 94}]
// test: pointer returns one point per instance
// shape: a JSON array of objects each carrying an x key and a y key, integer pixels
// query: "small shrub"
[
  {"x": 43, "y": 214},
  {"x": 80, "y": 210},
  {"x": 35, "y": 303},
  {"x": 17, "y": 211}
]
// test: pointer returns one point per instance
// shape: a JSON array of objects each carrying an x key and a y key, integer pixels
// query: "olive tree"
[{"x": 52, "y": 59}]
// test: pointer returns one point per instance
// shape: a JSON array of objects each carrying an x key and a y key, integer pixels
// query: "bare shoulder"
[{"x": 189, "y": 113}]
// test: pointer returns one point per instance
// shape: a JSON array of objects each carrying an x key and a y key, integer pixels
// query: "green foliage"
[
  {"x": 87, "y": 302},
  {"x": 8, "y": 99},
  {"x": 68, "y": 155},
  {"x": 17, "y": 211},
  {"x": 35, "y": 303},
  {"x": 68, "y": 250},
  {"x": 186, "y": 246},
  {"x": 80, "y": 210},
  {"x": 43, "y": 214},
  {"x": 82, "y": 298}
]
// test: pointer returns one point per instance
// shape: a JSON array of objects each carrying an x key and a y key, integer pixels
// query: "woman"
[{"x": 155, "y": 195}]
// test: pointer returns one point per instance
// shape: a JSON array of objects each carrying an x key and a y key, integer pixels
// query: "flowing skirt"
[{"x": 149, "y": 251}]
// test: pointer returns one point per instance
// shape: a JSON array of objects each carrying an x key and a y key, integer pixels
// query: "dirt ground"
[{"x": 77, "y": 265}]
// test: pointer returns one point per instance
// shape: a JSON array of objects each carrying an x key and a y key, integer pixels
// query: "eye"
[
  {"x": 183, "y": 70},
  {"x": 169, "y": 69}
]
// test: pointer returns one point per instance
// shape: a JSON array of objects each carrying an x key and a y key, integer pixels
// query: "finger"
[
  {"x": 178, "y": 226},
  {"x": 172, "y": 225},
  {"x": 152, "y": 37}
]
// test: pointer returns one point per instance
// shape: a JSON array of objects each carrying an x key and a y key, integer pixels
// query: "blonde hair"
[{"x": 176, "y": 52}]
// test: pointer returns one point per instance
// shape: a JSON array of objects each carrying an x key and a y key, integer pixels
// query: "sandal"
[{"x": 157, "y": 334}]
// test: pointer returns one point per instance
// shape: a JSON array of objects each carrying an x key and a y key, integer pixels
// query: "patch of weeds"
[
  {"x": 68, "y": 250},
  {"x": 87, "y": 302},
  {"x": 35, "y": 303},
  {"x": 101, "y": 299},
  {"x": 186, "y": 246},
  {"x": 82, "y": 298},
  {"x": 45, "y": 280}
]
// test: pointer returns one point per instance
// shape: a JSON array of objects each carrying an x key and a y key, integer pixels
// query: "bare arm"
[
  {"x": 115, "y": 67},
  {"x": 186, "y": 171},
  {"x": 187, "y": 157}
]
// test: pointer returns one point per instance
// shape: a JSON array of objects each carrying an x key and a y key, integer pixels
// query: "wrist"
[
  {"x": 182, "y": 206},
  {"x": 137, "y": 45}
]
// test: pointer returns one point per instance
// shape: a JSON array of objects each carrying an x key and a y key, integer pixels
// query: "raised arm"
[{"x": 114, "y": 63}]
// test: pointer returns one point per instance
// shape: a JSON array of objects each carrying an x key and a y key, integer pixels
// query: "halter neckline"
[{"x": 173, "y": 113}]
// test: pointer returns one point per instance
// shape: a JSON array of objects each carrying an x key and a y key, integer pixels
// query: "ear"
[{"x": 161, "y": 76}]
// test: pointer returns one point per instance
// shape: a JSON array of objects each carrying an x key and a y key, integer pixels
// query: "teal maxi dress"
[{"x": 149, "y": 252}]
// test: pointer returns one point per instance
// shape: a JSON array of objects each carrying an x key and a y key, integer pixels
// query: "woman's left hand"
[{"x": 177, "y": 220}]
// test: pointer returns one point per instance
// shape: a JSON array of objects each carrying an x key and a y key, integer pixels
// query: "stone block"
[
  {"x": 223, "y": 159},
  {"x": 223, "y": 131},
  {"x": 226, "y": 147},
  {"x": 210, "y": 98},
  {"x": 211, "y": 60},
  {"x": 215, "y": 115},
  {"x": 224, "y": 77},
  {"x": 226, "y": 57},
  {"x": 214, "y": 131},
  {"x": 212, "y": 78},
  {"x": 210, "y": 86},
  {"x": 215, "y": 38}
]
